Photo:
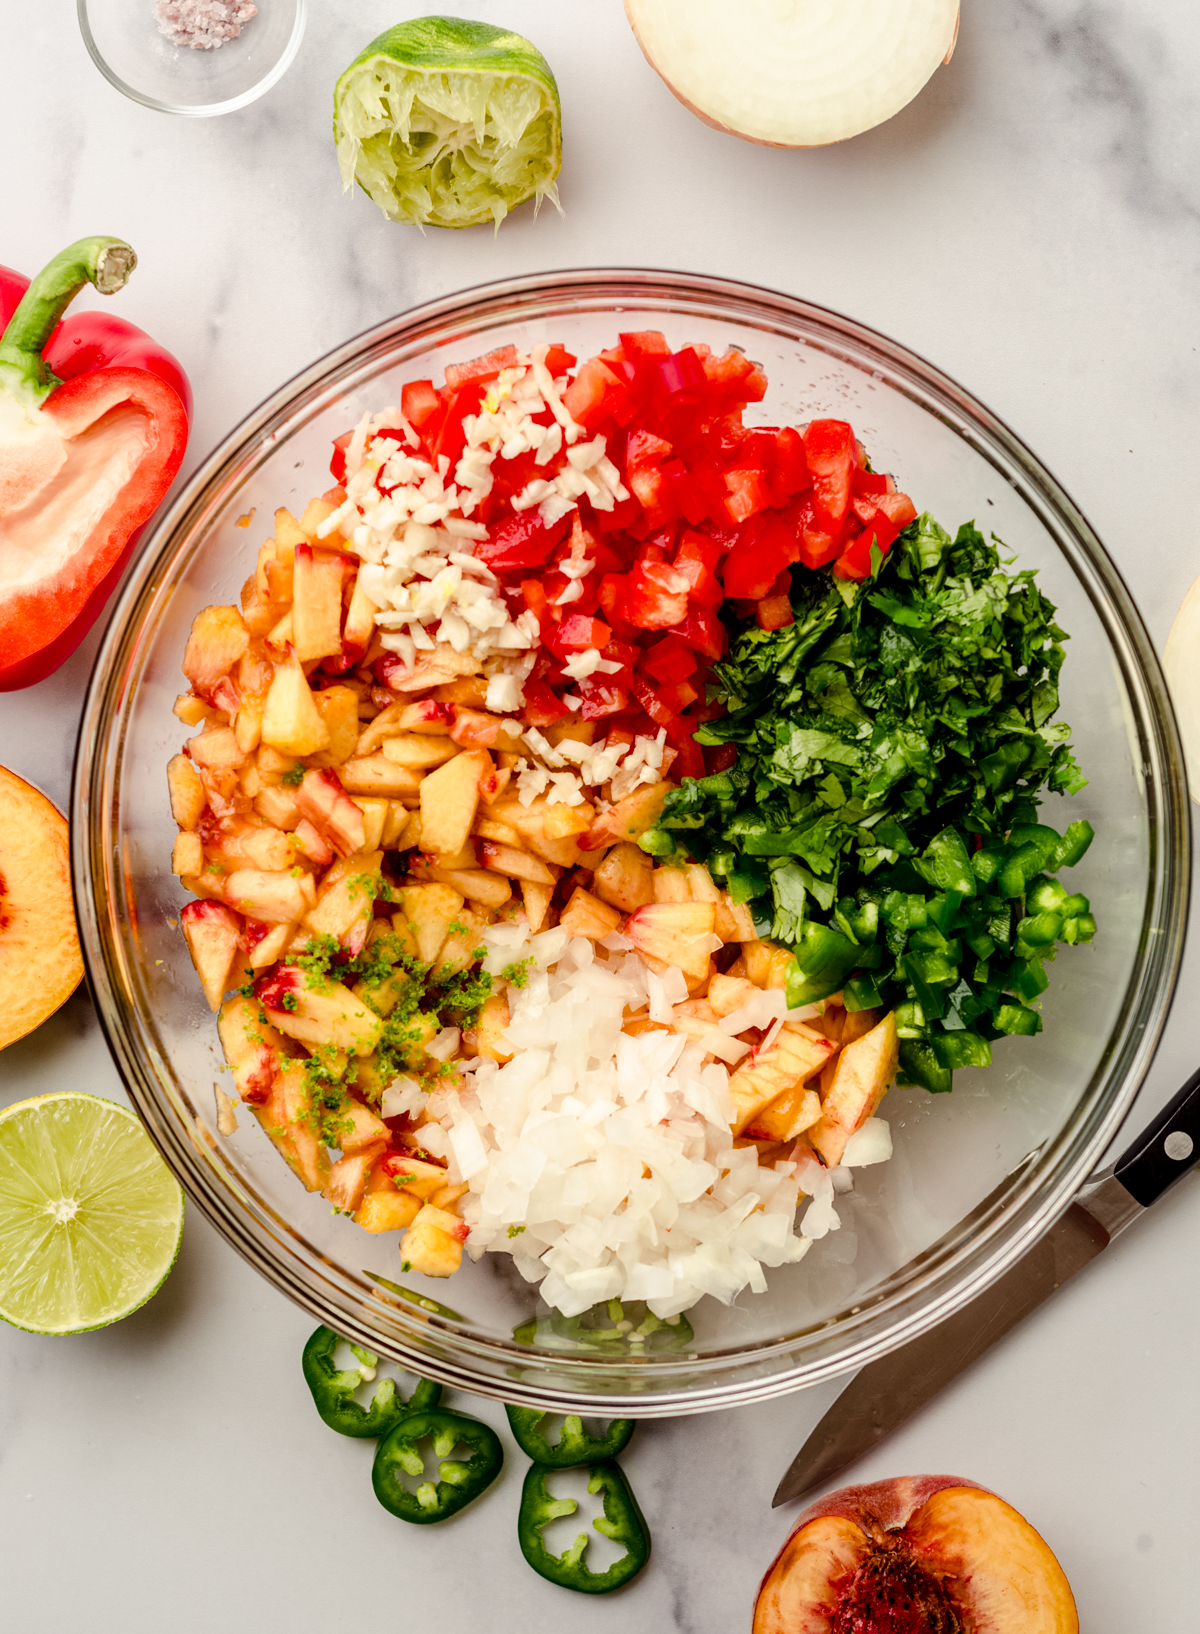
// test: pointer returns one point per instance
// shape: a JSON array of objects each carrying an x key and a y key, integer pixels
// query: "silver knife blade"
[{"x": 888, "y": 1392}]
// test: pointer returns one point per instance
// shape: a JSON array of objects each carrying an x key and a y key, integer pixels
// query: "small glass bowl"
[
  {"x": 123, "y": 40},
  {"x": 977, "y": 1176}
]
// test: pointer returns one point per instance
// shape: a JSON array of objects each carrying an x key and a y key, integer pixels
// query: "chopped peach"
[
  {"x": 348, "y": 1177},
  {"x": 516, "y": 864},
  {"x": 625, "y": 878},
  {"x": 217, "y": 747},
  {"x": 450, "y": 799},
  {"x": 211, "y": 932},
  {"x": 671, "y": 885},
  {"x": 629, "y": 818},
  {"x": 586, "y": 915},
  {"x": 323, "y": 800},
  {"x": 316, "y": 603},
  {"x": 326, "y": 1014},
  {"x": 285, "y": 1115},
  {"x": 218, "y": 639},
  {"x": 678, "y": 933},
  {"x": 418, "y": 751},
  {"x": 338, "y": 709},
  {"x": 377, "y": 775},
  {"x": 536, "y": 900},
  {"x": 796, "y": 1110},
  {"x": 253, "y": 1049},
  {"x": 767, "y": 964},
  {"x": 861, "y": 1078},
  {"x": 729, "y": 993},
  {"x": 187, "y": 854},
  {"x": 430, "y": 909},
  {"x": 186, "y": 791},
  {"x": 279, "y": 898},
  {"x": 385, "y": 1207},
  {"x": 291, "y": 721},
  {"x": 795, "y": 1055},
  {"x": 433, "y": 1244},
  {"x": 461, "y": 945},
  {"x": 360, "y": 1128}
]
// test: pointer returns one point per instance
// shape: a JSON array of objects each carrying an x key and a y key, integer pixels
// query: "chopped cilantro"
[
  {"x": 406, "y": 1265},
  {"x": 515, "y": 1231}
]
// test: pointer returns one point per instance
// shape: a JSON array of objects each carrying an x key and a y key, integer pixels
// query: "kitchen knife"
[{"x": 887, "y": 1392}]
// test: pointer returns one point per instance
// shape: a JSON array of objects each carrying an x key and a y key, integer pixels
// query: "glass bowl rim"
[
  {"x": 199, "y": 110},
  {"x": 1064, "y": 1161}
]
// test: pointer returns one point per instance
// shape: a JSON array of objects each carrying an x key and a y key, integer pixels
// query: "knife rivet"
[{"x": 1178, "y": 1145}]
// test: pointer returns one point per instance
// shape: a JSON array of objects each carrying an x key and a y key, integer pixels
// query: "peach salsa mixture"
[{"x": 462, "y": 999}]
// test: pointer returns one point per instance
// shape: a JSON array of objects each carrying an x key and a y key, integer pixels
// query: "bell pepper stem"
[{"x": 104, "y": 262}]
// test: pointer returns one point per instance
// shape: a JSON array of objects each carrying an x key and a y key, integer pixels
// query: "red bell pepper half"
[{"x": 93, "y": 427}]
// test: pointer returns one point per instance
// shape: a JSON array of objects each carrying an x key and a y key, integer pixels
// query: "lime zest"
[
  {"x": 447, "y": 123},
  {"x": 90, "y": 1215}
]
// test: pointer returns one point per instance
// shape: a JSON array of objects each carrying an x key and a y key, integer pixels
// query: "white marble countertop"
[{"x": 1032, "y": 225}]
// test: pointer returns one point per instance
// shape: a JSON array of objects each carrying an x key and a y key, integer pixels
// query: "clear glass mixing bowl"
[{"x": 976, "y": 1176}]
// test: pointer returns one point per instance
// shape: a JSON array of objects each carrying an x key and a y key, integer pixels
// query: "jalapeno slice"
[
  {"x": 574, "y": 1446},
  {"x": 333, "y": 1389},
  {"x": 622, "y": 1521},
  {"x": 460, "y": 1480}
]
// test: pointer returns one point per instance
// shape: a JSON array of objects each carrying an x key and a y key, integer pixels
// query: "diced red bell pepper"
[
  {"x": 737, "y": 378},
  {"x": 618, "y": 651},
  {"x": 697, "y": 559},
  {"x": 542, "y": 706},
  {"x": 337, "y": 461},
  {"x": 893, "y": 512},
  {"x": 623, "y": 515},
  {"x": 482, "y": 368},
  {"x": 831, "y": 451},
  {"x": 659, "y": 711},
  {"x": 719, "y": 757},
  {"x": 704, "y": 631},
  {"x": 768, "y": 546},
  {"x": 747, "y": 491},
  {"x": 872, "y": 482},
  {"x": 419, "y": 403},
  {"x": 451, "y": 438},
  {"x": 602, "y": 695},
  {"x": 596, "y": 394},
  {"x": 656, "y": 596},
  {"x": 887, "y": 513},
  {"x": 689, "y": 757},
  {"x": 670, "y": 659},
  {"x": 814, "y": 547},
  {"x": 680, "y": 371},
  {"x": 577, "y": 633},
  {"x": 558, "y": 360},
  {"x": 522, "y": 542},
  {"x": 644, "y": 343},
  {"x": 774, "y": 612},
  {"x": 790, "y": 474}
]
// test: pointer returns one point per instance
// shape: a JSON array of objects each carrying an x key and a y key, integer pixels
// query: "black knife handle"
[{"x": 1165, "y": 1150}]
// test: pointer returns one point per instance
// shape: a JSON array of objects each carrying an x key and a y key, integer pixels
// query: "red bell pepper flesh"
[
  {"x": 655, "y": 597},
  {"x": 419, "y": 404},
  {"x": 83, "y": 464},
  {"x": 481, "y": 369},
  {"x": 524, "y": 541},
  {"x": 832, "y": 453}
]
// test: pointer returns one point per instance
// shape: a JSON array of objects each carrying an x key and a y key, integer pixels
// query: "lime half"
[
  {"x": 90, "y": 1215},
  {"x": 446, "y": 123}
]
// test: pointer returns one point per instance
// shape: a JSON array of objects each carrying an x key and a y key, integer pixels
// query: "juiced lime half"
[
  {"x": 446, "y": 123},
  {"x": 90, "y": 1215}
]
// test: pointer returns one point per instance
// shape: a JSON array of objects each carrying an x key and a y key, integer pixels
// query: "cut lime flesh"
[
  {"x": 90, "y": 1215},
  {"x": 445, "y": 123}
]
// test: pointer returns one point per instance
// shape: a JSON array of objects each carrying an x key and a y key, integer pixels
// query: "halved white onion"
[
  {"x": 794, "y": 73},
  {"x": 1181, "y": 661}
]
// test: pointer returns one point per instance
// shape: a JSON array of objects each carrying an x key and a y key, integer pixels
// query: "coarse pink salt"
[{"x": 202, "y": 24}]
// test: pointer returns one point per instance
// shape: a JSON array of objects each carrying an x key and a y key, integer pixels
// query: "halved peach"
[
  {"x": 40, "y": 962},
  {"x": 926, "y": 1552}
]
